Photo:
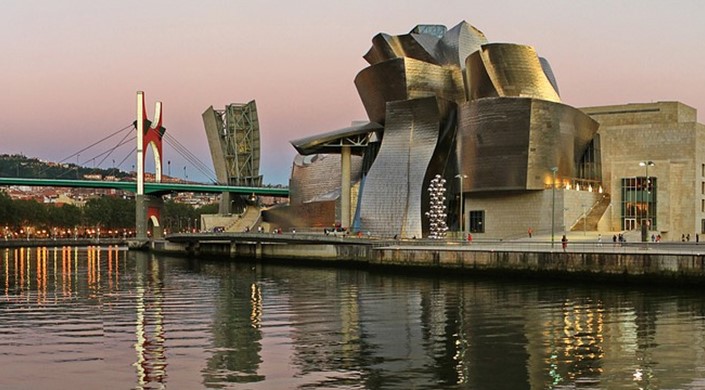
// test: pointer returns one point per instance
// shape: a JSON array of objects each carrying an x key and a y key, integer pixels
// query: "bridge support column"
[
  {"x": 154, "y": 215},
  {"x": 148, "y": 209},
  {"x": 225, "y": 206},
  {"x": 141, "y": 217},
  {"x": 345, "y": 187}
]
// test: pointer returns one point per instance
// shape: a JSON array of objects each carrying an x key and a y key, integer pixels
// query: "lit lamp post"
[
  {"x": 462, "y": 204},
  {"x": 645, "y": 214},
  {"x": 553, "y": 207}
]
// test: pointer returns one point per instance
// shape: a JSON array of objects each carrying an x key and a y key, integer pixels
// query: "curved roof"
[{"x": 356, "y": 136}]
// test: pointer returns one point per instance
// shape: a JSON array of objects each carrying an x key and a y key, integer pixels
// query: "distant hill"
[{"x": 17, "y": 165}]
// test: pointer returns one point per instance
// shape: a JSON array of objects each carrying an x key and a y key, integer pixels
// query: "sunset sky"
[{"x": 69, "y": 70}]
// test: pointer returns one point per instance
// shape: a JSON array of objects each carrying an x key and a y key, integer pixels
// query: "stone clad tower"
[{"x": 234, "y": 141}]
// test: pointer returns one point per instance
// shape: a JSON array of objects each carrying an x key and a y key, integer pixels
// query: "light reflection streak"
[
  {"x": 256, "y": 300},
  {"x": 150, "y": 350},
  {"x": 28, "y": 271},
  {"x": 7, "y": 273}
]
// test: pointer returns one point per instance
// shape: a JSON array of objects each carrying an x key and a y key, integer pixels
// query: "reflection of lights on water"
[
  {"x": 149, "y": 346},
  {"x": 28, "y": 272},
  {"x": 256, "y": 300},
  {"x": 6, "y": 261}
]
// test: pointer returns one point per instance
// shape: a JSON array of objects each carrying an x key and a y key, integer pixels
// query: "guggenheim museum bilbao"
[{"x": 488, "y": 118}]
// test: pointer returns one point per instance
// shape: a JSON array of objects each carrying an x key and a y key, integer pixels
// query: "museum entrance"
[{"x": 639, "y": 203}]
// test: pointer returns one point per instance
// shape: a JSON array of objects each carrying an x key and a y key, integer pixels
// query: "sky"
[{"x": 70, "y": 70}]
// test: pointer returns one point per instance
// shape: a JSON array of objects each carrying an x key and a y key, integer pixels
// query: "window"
[
  {"x": 477, "y": 221},
  {"x": 639, "y": 200}
]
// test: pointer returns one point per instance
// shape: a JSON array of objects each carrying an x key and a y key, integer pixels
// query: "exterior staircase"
[
  {"x": 592, "y": 217},
  {"x": 248, "y": 218}
]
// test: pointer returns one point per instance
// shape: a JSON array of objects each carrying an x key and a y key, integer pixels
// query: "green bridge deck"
[{"x": 151, "y": 188}]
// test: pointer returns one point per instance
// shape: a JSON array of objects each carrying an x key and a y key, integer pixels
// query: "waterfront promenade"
[{"x": 584, "y": 257}]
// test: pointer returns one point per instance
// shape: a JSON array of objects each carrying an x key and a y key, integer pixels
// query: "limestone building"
[{"x": 653, "y": 166}]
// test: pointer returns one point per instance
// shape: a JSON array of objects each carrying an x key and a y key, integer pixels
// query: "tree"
[
  {"x": 7, "y": 209},
  {"x": 65, "y": 216},
  {"x": 109, "y": 212},
  {"x": 30, "y": 212}
]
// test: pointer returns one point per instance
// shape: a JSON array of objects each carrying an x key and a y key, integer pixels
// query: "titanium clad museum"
[{"x": 489, "y": 119}]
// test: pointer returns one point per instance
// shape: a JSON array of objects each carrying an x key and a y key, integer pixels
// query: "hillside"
[{"x": 17, "y": 165}]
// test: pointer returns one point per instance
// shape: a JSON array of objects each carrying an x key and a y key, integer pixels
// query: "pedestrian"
[
  {"x": 469, "y": 238},
  {"x": 564, "y": 242},
  {"x": 614, "y": 240},
  {"x": 653, "y": 238},
  {"x": 531, "y": 231},
  {"x": 687, "y": 237}
]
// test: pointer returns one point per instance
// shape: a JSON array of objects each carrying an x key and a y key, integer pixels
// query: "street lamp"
[
  {"x": 553, "y": 207},
  {"x": 645, "y": 214},
  {"x": 462, "y": 203}
]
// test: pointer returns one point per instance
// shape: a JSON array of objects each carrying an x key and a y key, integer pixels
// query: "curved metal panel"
[
  {"x": 548, "y": 71},
  {"x": 392, "y": 199},
  {"x": 317, "y": 177},
  {"x": 478, "y": 82},
  {"x": 513, "y": 70},
  {"x": 405, "y": 78},
  {"x": 418, "y": 46},
  {"x": 511, "y": 143},
  {"x": 459, "y": 42},
  {"x": 314, "y": 189}
]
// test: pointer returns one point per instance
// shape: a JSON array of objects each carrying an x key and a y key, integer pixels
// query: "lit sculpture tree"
[{"x": 437, "y": 211}]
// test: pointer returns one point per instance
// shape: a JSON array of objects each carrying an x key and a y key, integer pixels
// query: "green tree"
[
  {"x": 109, "y": 212},
  {"x": 29, "y": 212},
  {"x": 208, "y": 209},
  {"x": 65, "y": 216},
  {"x": 7, "y": 209}
]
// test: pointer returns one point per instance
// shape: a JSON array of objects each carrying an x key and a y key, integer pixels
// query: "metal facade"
[
  {"x": 394, "y": 195},
  {"x": 511, "y": 143},
  {"x": 450, "y": 103}
]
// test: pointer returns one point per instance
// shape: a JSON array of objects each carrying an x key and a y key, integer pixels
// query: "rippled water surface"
[{"x": 111, "y": 319}]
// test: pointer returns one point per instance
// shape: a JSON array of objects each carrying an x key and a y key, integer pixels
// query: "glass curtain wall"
[{"x": 639, "y": 202}]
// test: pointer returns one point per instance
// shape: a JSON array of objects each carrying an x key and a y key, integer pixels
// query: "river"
[{"x": 111, "y": 319}]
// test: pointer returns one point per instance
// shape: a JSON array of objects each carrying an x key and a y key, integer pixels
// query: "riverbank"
[{"x": 675, "y": 263}]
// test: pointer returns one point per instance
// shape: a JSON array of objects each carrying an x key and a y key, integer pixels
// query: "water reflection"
[{"x": 107, "y": 316}]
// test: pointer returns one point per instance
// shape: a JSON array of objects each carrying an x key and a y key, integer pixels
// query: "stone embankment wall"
[
  {"x": 688, "y": 268},
  {"x": 638, "y": 265}
]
